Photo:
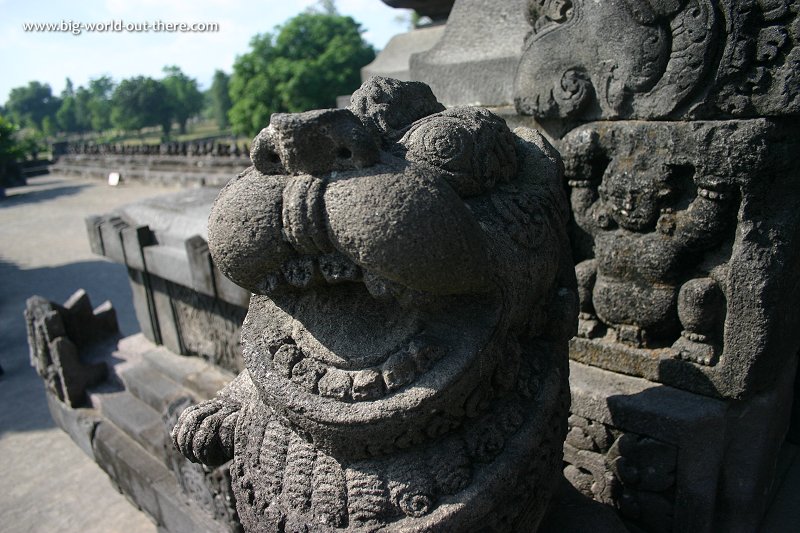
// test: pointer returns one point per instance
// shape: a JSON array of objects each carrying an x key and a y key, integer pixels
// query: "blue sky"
[{"x": 51, "y": 57}]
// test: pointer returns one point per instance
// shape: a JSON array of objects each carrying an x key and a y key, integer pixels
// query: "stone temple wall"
[{"x": 191, "y": 164}]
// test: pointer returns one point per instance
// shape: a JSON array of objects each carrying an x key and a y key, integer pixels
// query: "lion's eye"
[{"x": 444, "y": 144}]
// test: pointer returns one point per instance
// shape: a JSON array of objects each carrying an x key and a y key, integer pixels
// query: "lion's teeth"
[
  {"x": 307, "y": 373},
  {"x": 399, "y": 370},
  {"x": 300, "y": 272},
  {"x": 377, "y": 286},
  {"x": 271, "y": 283},
  {"x": 285, "y": 358},
  {"x": 367, "y": 384},
  {"x": 336, "y": 383},
  {"x": 336, "y": 268}
]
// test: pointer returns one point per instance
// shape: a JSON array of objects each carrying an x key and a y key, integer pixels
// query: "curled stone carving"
[
  {"x": 677, "y": 122},
  {"x": 209, "y": 488},
  {"x": 651, "y": 59},
  {"x": 405, "y": 346}
]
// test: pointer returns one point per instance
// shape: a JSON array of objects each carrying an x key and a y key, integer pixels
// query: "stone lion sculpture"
[{"x": 406, "y": 340}]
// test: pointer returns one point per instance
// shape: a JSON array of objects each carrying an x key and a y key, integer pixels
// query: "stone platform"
[
  {"x": 181, "y": 299},
  {"x": 186, "y": 171}
]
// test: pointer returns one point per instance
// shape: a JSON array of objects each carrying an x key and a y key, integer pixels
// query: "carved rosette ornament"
[{"x": 406, "y": 342}]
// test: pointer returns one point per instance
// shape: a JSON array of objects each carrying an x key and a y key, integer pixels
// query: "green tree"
[
  {"x": 11, "y": 152},
  {"x": 186, "y": 100},
  {"x": 48, "y": 125},
  {"x": 65, "y": 116},
  {"x": 99, "y": 105},
  {"x": 83, "y": 114},
  {"x": 141, "y": 102},
  {"x": 220, "y": 99},
  {"x": 252, "y": 87},
  {"x": 31, "y": 105},
  {"x": 73, "y": 116},
  {"x": 313, "y": 58}
]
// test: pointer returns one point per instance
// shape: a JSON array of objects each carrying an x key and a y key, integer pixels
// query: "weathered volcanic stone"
[
  {"x": 406, "y": 342},
  {"x": 181, "y": 299},
  {"x": 394, "y": 60}
]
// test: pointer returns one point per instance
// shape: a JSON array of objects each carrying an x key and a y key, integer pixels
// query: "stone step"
[
  {"x": 201, "y": 378},
  {"x": 136, "y": 419},
  {"x": 153, "y": 387},
  {"x": 148, "y": 483}
]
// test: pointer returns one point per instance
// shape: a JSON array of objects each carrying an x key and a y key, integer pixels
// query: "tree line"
[
  {"x": 304, "y": 64},
  {"x": 129, "y": 106}
]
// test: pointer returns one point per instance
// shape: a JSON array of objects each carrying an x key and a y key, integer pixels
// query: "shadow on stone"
[
  {"x": 41, "y": 195},
  {"x": 572, "y": 512}
]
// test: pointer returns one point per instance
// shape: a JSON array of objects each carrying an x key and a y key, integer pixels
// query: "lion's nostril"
[
  {"x": 344, "y": 153},
  {"x": 272, "y": 157}
]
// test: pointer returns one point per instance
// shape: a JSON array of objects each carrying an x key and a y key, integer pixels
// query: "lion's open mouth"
[{"x": 340, "y": 342}]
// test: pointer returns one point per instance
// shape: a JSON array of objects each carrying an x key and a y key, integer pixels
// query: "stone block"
[
  {"x": 61, "y": 342},
  {"x": 475, "y": 61},
  {"x": 209, "y": 327},
  {"x": 173, "y": 217},
  {"x": 134, "y": 240},
  {"x": 149, "y": 484},
  {"x": 649, "y": 60},
  {"x": 134, "y": 471},
  {"x": 199, "y": 377},
  {"x": 228, "y": 291},
  {"x": 144, "y": 305},
  {"x": 200, "y": 266},
  {"x": 181, "y": 300},
  {"x": 393, "y": 60},
  {"x": 175, "y": 367},
  {"x": 93, "y": 232},
  {"x": 152, "y": 387},
  {"x": 78, "y": 423},
  {"x": 134, "y": 418},
  {"x": 110, "y": 232},
  {"x": 671, "y": 460},
  {"x": 169, "y": 263},
  {"x": 435, "y": 9},
  {"x": 686, "y": 275}
]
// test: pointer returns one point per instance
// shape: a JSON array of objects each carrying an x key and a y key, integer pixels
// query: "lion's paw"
[{"x": 204, "y": 432}]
